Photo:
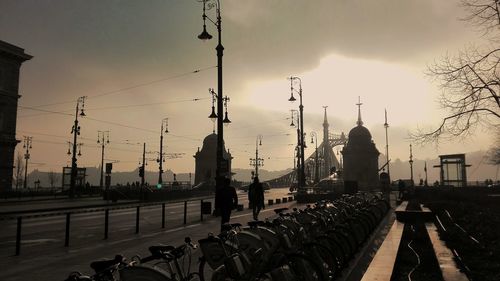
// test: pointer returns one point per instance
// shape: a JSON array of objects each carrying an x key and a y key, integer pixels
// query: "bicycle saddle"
[
  {"x": 279, "y": 210},
  {"x": 255, "y": 223},
  {"x": 102, "y": 265},
  {"x": 159, "y": 249}
]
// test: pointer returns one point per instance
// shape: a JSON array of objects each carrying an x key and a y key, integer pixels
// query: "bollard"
[
  {"x": 162, "y": 215},
  {"x": 137, "y": 214},
  {"x": 18, "y": 235},
  {"x": 270, "y": 202},
  {"x": 185, "y": 211},
  {"x": 201, "y": 210},
  {"x": 284, "y": 200},
  {"x": 106, "y": 223},
  {"x": 278, "y": 201},
  {"x": 66, "y": 238}
]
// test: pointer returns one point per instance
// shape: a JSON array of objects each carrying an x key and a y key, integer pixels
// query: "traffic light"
[{"x": 141, "y": 172}]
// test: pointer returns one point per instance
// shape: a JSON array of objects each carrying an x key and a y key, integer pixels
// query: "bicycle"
[
  {"x": 118, "y": 269},
  {"x": 172, "y": 260}
]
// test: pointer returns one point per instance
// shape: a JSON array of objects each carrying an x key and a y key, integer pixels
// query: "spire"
[
  {"x": 360, "y": 122},
  {"x": 325, "y": 120}
]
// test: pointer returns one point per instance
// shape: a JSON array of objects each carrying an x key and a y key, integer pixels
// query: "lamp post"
[
  {"x": 256, "y": 162},
  {"x": 161, "y": 159},
  {"x": 27, "y": 144},
  {"x": 296, "y": 166},
  {"x": 209, "y": 4},
  {"x": 103, "y": 139},
  {"x": 316, "y": 167},
  {"x": 301, "y": 182},
  {"x": 411, "y": 164},
  {"x": 76, "y": 132},
  {"x": 386, "y": 126}
]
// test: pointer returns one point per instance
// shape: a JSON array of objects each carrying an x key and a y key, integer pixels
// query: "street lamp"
[
  {"x": 316, "y": 169},
  {"x": 161, "y": 159},
  {"x": 209, "y": 4},
  {"x": 103, "y": 139},
  {"x": 411, "y": 164},
  {"x": 293, "y": 79},
  {"x": 76, "y": 132},
  {"x": 27, "y": 144},
  {"x": 256, "y": 162}
]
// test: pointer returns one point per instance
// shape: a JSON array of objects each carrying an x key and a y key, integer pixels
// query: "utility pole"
[
  {"x": 411, "y": 164},
  {"x": 76, "y": 132},
  {"x": 161, "y": 159},
  {"x": 143, "y": 165},
  {"x": 425, "y": 170},
  {"x": 386, "y": 125},
  {"x": 27, "y": 145},
  {"x": 103, "y": 139}
]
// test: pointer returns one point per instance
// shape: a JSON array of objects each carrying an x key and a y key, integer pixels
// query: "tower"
[
  {"x": 361, "y": 156},
  {"x": 11, "y": 58}
]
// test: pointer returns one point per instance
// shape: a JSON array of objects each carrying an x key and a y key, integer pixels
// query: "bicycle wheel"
[
  {"x": 304, "y": 268},
  {"x": 143, "y": 273},
  {"x": 205, "y": 272},
  {"x": 324, "y": 255}
]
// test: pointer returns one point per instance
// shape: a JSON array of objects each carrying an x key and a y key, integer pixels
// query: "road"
[{"x": 43, "y": 237}]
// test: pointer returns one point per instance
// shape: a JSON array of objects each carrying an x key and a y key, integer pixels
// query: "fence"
[{"x": 202, "y": 205}]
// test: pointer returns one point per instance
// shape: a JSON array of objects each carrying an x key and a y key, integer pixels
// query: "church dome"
[
  {"x": 360, "y": 133},
  {"x": 210, "y": 140}
]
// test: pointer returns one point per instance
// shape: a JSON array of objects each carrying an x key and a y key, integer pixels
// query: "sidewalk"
[{"x": 57, "y": 264}]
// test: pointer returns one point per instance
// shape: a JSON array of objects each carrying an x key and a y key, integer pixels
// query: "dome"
[
  {"x": 360, "y": 134},
  {"x": 210, "y": 144},
  {"x": 210, "y": 140}
]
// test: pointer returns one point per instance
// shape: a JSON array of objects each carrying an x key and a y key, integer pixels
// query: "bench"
[
  {"x": 381, "y": 266},
  {"x": 404, "y": 215},
  {"x": 445, "y": 256}
]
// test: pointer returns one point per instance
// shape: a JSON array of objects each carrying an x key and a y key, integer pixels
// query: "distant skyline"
[{"x": 141, "y": 61}]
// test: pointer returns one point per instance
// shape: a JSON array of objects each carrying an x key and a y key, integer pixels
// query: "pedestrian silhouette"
[
  {"x": 225, "y": 200},
  {"x": 256, "y": 197},
  {"x": 402, "y": 188}
]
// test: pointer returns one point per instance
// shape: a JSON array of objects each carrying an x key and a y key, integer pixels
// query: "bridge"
[{"x": 315, "y": 167}]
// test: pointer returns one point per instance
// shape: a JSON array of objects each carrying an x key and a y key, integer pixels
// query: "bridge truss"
[{"x": 326, "y": 161}]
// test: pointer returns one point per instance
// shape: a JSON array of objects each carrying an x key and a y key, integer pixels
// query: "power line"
[
  {"x": 45, "y": 112},
  {"x": 130, "y": 87}
]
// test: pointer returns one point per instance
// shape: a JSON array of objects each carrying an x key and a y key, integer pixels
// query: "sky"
[{"x": 141, "y": 61}]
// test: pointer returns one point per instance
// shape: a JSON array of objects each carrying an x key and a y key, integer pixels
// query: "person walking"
[
  {"x": 256, "y": 197},
  {"x": 402, "y": 189},
  {"x": 225, "y": 200}
]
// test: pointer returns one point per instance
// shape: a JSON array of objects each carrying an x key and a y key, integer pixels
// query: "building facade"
[
  {"x": 11, "y": 58},
  {"x": 361, "y": 157},
  {"x": 206, "y": 161}
]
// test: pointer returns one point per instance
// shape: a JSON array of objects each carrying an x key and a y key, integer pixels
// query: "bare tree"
[
  {"x": 470, "y": 80},
  {"x": 53, "y": 178},
  {"x": 19, "y": 162},
  {"x": 494, "y": 153}
]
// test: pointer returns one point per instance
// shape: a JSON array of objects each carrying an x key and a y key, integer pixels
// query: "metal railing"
[{"x": 68, "y": 212}]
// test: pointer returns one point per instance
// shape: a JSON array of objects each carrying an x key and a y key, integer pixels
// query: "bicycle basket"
[
  {"x": 234, "y": 266},
  {"x": 213, "y": 251}
]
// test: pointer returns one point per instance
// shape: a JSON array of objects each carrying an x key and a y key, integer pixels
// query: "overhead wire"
[{"x": 130, "y": 87}]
